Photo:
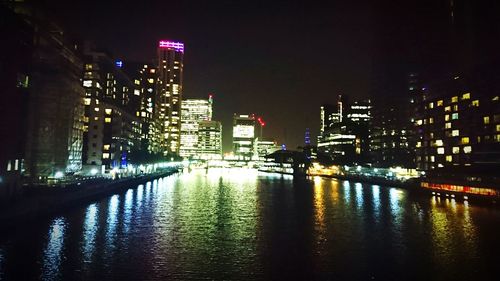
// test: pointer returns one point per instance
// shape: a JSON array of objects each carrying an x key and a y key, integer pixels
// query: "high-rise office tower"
[
  {"x": 193, "y": 111},
  {"x": 209, "y": 140},
  {"x": 170, "y": 68},
  {"x": 244, "y": 136}
]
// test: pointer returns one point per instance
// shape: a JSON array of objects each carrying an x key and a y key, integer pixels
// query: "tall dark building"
[
  {"x": 42, "y": 96},
  {"x": 145, "y": 80},
  {"x": 170, "y": 71},
  {"x": 392, "y": 138}
]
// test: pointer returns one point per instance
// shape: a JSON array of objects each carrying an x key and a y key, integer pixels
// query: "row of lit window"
[{"x": 455, "y": 150}]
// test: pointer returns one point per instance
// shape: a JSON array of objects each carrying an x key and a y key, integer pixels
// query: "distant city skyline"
[{"x": 245, "y": 52}]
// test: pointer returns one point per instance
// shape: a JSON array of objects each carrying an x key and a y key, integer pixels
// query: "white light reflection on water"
[
  {"x": 127, "y": 215},
  {"x": 347, "y": 191},
  {"x": 52, "y": 255},
  {"x": 140, "y": 192},
  {"x": 359, "y": 195},
  {"x": 111, "y": 223},
  {"x": 376, "y": 200},
  {"x": 90, "y": 230}
]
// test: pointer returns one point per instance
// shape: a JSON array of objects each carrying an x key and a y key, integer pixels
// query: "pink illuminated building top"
[{"x": 172, "y": 45}]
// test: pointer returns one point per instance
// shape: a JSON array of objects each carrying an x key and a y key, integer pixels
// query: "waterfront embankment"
[{"x": 39, "y": 201}]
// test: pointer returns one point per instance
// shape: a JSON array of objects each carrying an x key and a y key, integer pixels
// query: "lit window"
[
  {"x": 96, "y": 109},
  {"x": 439, "y": 103},
  {"x": 455, "y": 107},
  {"x": 87, "y": 83},
  {"x": 455, "y": 133},
  {"x": 439, "y": 142},
  {"x": 440, "y": 150},
  {"x": 448, "y": 108},
  {"x": 431, "y": 105},
  {"x": 454, "y": 116},
  {"x": 497, "y": 138},
  {"x": 454, "y": 99},
  {"x": 86, "y": 101},
  {"x": 107, "y": 120},
  {"x": 105, "y": 156},
  {"x": 467, "y": 149},
  {"x": 486, "y": 120},
  {"x": 466, "y": 96},
  {"x": 419, "y": 122},
  {"x": 108, "y": 111},
  {"x": 449, "y": 158},
  {"x": 431, "y": 120},
  {"x": 447, "y": 125},
  {"x": 498, "y": 127},
  {"x": 456, "y": 150},
  {"x": 475, "y": 103},
  {"x": 447, "y": 117},
  {"x": 106, "y": 147},
  {"x": 433, "y": 159},
  {"x": 419, "y": 144},
  {"x": 465, "y": 140}
]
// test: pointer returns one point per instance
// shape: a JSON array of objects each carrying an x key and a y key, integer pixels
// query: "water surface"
[{"x": 238, "y": 224}]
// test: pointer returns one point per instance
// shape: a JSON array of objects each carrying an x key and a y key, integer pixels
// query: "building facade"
[
  {"x": 112, "y": 129},
  {"x": 209, "y": 140},
  {"x": 193, "y": 111},
  {"x": 458, "y": 126},
  {"x": 45, "y": 123},
  {"x": 170, "y": 74},
  {"x": 345, "y": 138},
  {"x": 392, "y": 137},
  {"x": 244, "y": 136}
]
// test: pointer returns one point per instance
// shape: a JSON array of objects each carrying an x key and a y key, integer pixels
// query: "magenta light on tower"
[{"x": 174, "y": 45}]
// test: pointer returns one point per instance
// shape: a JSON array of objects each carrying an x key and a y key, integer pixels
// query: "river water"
[{"x": 238, "y": 224}]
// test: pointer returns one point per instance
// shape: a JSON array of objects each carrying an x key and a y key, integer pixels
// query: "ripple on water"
[
  {"x": 53, "y": 253},
  {"x": 240, "y": 225}
]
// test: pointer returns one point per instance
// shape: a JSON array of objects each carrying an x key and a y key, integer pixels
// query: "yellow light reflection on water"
[{"x": 451, "y": 226}]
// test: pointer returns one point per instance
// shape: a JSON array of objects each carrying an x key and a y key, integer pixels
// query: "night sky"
[{"x": 283, "y": 59}]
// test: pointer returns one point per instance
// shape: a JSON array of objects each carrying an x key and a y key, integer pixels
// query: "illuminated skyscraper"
[
  {"x": 170, "y": 68},
  {"x": 193, "y": 111},
  {"x": 209, "y": 140},
  {"x": 243, "y": 136}
]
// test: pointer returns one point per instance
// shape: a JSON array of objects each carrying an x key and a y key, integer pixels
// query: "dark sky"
[{"x": 278, "y": 59}]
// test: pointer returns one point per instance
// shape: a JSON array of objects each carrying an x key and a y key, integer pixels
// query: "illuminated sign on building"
[
  {"x": 173, "y": 45},
  {"x": 243, "y": 131}
]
